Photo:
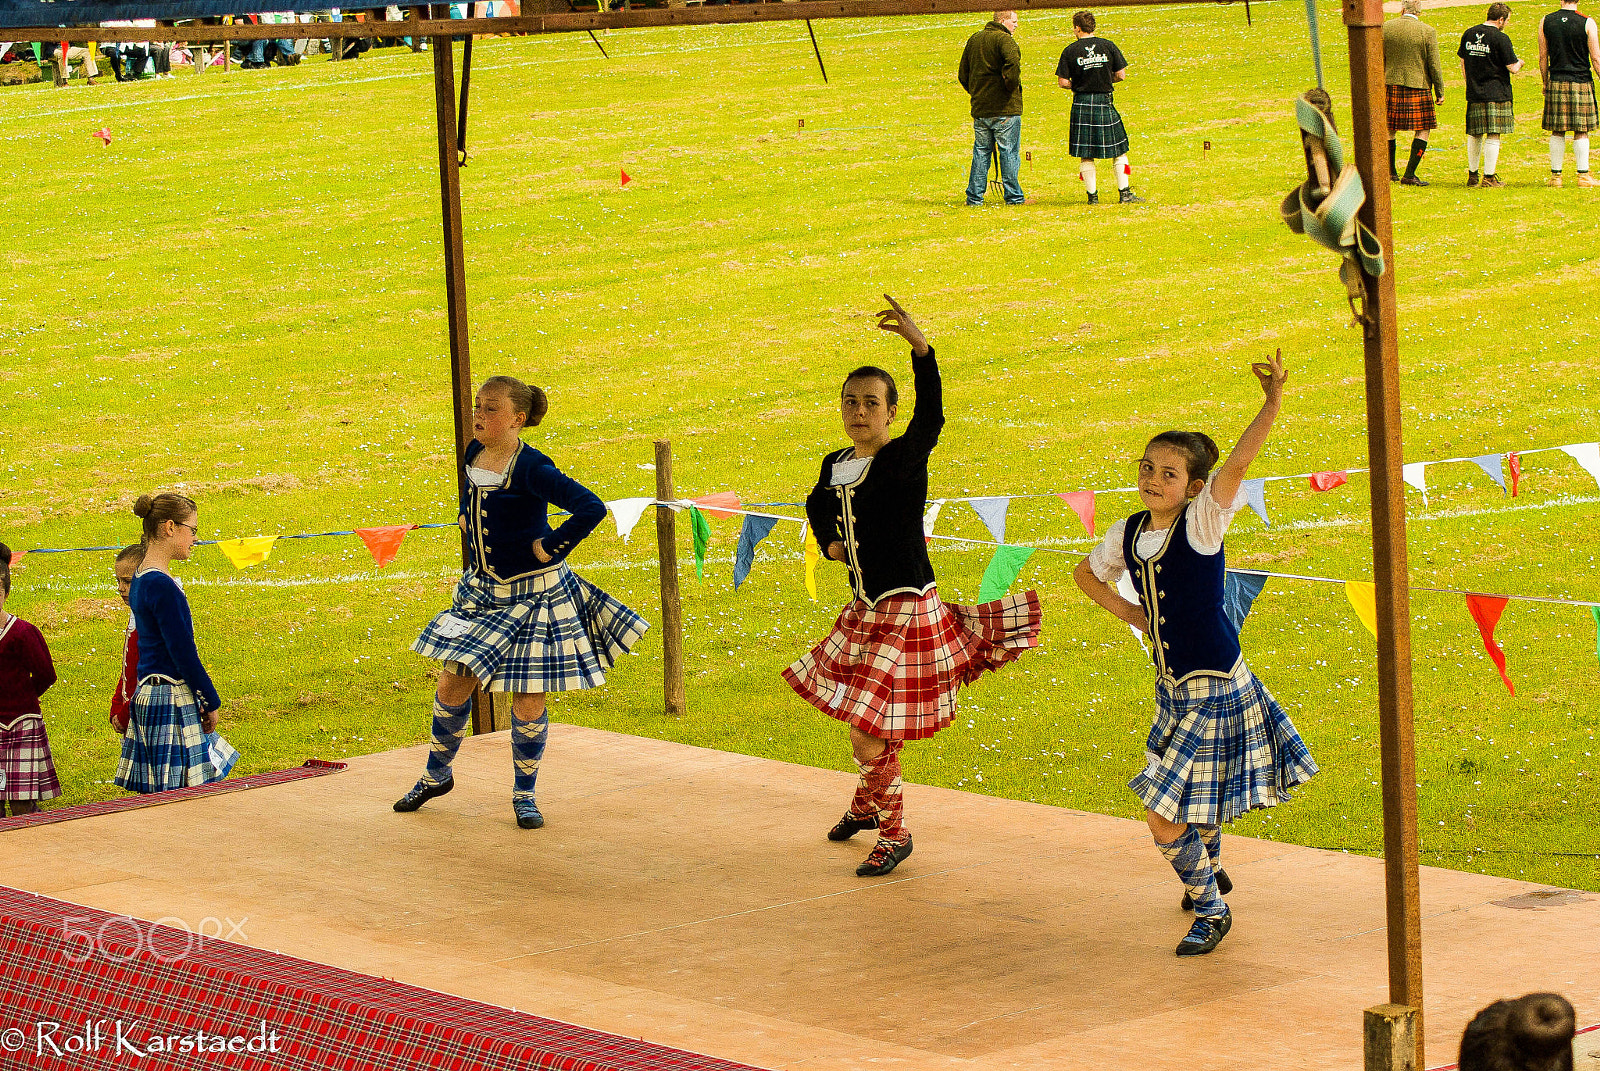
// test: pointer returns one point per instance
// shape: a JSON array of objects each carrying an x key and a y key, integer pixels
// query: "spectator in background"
[
  {"x": 1487, "y": 63},
  {"x": 1569, "y": 52},
  {"x": 1411, "y": 71},
  {"x": 991, "y": 73},
  {"x": 51, "y": 52},
  {"x": 1090, "y": 67}
]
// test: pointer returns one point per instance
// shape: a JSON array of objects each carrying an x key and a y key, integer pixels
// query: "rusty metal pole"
[
  {"x": 1369, "y": 137},
  {"x": 671, "y": 605},
  {"x": 455, "y": 280}
]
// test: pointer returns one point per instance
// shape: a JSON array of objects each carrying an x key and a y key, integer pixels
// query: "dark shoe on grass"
[
  {"x": 850, "y": 825},
  {"x": 1094, "y": 198},
  {"x": 1224, "y": 886},
  {"x": 1128, "y": 197},
  {"x": 884, "y": 858},
  {"x": 1412, "y": 180},
  {"x": 1491, "y": 182},
  {"x": 1206, "y": 934},
  {"x": 422, "y": 793},
  {"x": 1472, "y": 178}
]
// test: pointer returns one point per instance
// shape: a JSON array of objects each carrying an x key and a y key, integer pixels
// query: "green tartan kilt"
[
  {"x": 1570, "y": 106},
  {"x": 1490, "y": 117}
]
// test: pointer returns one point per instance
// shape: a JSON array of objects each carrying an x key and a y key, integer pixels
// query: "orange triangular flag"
[
  {"x": 104, "y": 134},
  {"x": 384, "y": 541},
  {"x": 1486, "y": 611},
  {"x": 728, "y": 500},
  {"x": 1082, "y": 503},
  {"x": 626, "y": 178},
  {"x": 16, "y": 558}
]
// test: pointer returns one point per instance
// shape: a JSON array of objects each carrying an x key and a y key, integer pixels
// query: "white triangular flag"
[
  {"x": 1587, "y": 455},
  {"x": 627, "y": 512},
  {"x": 1494, "y": 467},
  {"x": 1255, "y": 495},
  {"x": 1413, "y": 475},
  {"x": 930, "y": 517},
  {"x": 992, "y": 512}
]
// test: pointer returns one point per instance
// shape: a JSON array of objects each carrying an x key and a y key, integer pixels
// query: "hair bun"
[
  {"x": 5, "y": 555},
  {"x": 143, "y": 507},
  {"x": 1543, "y": 1023}
]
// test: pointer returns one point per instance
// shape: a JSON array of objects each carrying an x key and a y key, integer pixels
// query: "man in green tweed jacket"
[{"x": 1410, "y": 71}]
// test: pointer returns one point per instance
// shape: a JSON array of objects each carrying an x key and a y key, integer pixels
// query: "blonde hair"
[
  {"x": 1411, "y": 7},
  {"x": 526, "y": 399}
]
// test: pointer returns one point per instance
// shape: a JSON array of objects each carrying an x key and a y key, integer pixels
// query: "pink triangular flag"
[
  {"x": 384, "y": 541},
  {"x": 16, "y": 558},
  {"x": 1082, "y": 503},
  {"x": 1486, "y": 611},
  {"x": 1327, "y": 481},
  {"x": 728, "y": 500},
  {"x": 626, "y": 178},
  {"x": 104, "y": 134}
]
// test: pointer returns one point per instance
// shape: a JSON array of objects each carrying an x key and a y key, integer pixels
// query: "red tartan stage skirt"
[{"x": 892, "y": 670}]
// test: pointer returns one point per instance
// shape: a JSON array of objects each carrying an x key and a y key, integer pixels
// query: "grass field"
[{"x": 242, "y": 297}]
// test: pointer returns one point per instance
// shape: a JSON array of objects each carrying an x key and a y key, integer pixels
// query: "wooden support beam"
[
  {"x": 1369, "y": 137},
  {"x": 671, "y": 604}
]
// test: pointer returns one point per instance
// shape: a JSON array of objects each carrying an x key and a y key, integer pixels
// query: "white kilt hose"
[{"x": 550, "y": 632}]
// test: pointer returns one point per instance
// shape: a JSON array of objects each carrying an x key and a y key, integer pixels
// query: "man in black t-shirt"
[
  {"x": 1487, "y": 63},
  {"x": 1569, "y": 53},
  {"x": 1090, "y": 67}
]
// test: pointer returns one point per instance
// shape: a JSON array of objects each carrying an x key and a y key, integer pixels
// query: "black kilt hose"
[{"x": 1096, "y": 132}]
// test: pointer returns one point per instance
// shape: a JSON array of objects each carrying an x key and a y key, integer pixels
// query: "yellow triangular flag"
[
  {"x": 1363, "y": 596},
  {"x": 244, "y": 553},
  {"x": 812, "y": 557}
]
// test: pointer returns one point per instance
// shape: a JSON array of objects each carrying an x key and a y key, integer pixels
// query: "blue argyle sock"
[
  {"x": 528, "y": 739},
  {"x": 449, "y": 728},
  {"x": 1188, "y": 857},
  {"x": 1211, "y": 837}
]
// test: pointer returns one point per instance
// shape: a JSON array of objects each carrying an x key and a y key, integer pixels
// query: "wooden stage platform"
[{"x": 688, "y": 897}]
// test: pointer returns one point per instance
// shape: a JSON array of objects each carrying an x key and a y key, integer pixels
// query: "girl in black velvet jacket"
[{"x": 897, "y": 654}]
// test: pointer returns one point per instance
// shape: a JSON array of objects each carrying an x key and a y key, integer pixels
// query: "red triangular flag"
[
  {"x": 104, "y": 134},
  {"x": 1514, "y": 464},
  {"x": 16, "y": 558},
  {"x": 1082, "y": 503},
  {"x": 384, "y": 541},
  {"x": 626, "y": 178},
  {"x": 1486, "y": 611},
  {"x": 726, "y": 499},
  {"x": 1326, "y": 481}
]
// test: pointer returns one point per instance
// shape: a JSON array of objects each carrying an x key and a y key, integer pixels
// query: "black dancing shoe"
[
  {"x": 849, "y": 826},
  {"x": 1206, "y": 934},
  {"x": 884, "y": 858},
  {"x": 422, "y": 793},
  {"x": 527, "y": 812},
  {"x": 1224, "y": 886}
]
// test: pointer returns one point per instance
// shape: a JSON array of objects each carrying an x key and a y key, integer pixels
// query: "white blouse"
[{"x": 1208, "y": 521}]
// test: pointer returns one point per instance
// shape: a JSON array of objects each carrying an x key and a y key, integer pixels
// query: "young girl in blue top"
[
  {"x": 521, "y": 621},
  {"x": 171, "y": 739},
  {"x": 1220, "y": 744}
]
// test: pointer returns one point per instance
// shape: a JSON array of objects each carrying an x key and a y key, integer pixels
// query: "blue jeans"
[
  {"x": 1006, "y": 132},
  {"x": 258, "y": 49}
]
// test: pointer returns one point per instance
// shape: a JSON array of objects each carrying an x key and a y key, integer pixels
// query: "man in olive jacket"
[
  {"x": 991, "y": 72},
  {"x": 1414, "y": 83}
]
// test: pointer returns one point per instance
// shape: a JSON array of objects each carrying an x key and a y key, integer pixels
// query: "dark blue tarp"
[{"x": 92, "y": 12}]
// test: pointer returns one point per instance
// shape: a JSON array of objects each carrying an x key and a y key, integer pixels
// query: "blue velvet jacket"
[
  {"x": 1181, "y": 589},
  {"x": 503, "y": 521},
  {"x": 166, "y": 635}
]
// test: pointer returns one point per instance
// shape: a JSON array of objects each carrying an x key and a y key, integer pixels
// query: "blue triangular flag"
[
  {"x": 753, "y": 531},
  {"x": 1255, "y": 493},
  {"x": 1493, "y": 466},
  {"x": 1239, "y": 591},
  {"x": 992, "y": 512}
]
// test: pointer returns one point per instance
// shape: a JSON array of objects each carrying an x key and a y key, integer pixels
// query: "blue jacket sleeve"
[
  {"x": 561, "y": 490},
  {"x": 171, "y": 612}
]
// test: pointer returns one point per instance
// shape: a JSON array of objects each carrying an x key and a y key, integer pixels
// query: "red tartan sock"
[
  {"x": 882, "y": 775},
  {"x": 862, "y": 804}
]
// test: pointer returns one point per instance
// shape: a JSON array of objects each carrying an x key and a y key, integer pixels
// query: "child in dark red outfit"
[
  {"x": 897, "y": 654},
  {"x": 27, "y": 773},
  {"x": 127, "y": 563}
]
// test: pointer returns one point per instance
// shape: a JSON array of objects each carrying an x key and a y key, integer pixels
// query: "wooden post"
[
  {"x": 1364, "y": 21},
  {"x": 1390, "y": 1042},
  {"x": 62, "y": 65},
  {"x": 671, "y": 605}
]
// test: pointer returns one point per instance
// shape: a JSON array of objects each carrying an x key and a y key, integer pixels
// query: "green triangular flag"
[
  {"x": 1595, "y": 610},
  {"x": 702, "y": 539},
  {"x": 1003, "y": 569}
]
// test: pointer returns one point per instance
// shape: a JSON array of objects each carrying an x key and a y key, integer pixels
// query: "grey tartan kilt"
[
  {"x": 1490, "y": 117},
  {"x": 1096, "y": 131},
  {"x": 1219, "y": 747},
  {"x": 1570, "y": 106},
  {"x": 550, "y": 632}
]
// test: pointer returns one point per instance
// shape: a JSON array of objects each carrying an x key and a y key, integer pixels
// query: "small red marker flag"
[
  {"x": 104, "y": 134},
  {"x": 626, "y": 178},
  {"x": 1514, "y": 463}
]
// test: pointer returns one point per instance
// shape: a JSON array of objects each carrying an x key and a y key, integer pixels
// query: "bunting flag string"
[
  {"x": 1239, "y": 591},
  {"x": 1514, "y": 464},
  {"x": 1486, "y": 611},
  {"x": 1587, "y": 455},
  {"x": 1327, "y": 481},
  {"x": 1415, "y": 474},
  {"x": 1493, "y": 466},
  {"x": 384, "y": 542},
  {"x": 1363, "y": 596},
  {"x": 721, "y": 505},
  {"x": 931, "y": 517},
  {"x": 1255, "y": 495},
  {"x": 812, "y": 556},
  {"x": 626, "y": 512}
]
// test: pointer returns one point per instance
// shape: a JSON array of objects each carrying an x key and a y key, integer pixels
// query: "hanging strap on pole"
[
  {"x": 1324, "y": 207},
  {"x": 1316, "y": 40},
  {"x": 817, "y": 50},
  {"x": 466, "y": 82}
]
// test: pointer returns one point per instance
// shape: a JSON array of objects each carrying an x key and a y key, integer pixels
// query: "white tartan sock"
[
  {"x": 1491, "y": 154},
  {"x": 1086, "y": 172},
  {"x": 1580, "y": 153},
  {"x": 1474, "y": 147},
  {"x": 1121, "y": 167},
  {"x": 1558, "y": 151}
]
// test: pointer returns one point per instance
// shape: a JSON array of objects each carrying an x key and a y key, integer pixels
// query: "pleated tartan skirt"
[
  {"x": 892, "y": 669},
  {"x": 165, "y": 746},
  {"x": 1410, "y": 108},
  {"x": 1095, "y": 130},
  {"x": 1570, "y": 106},
  {"x": 27, "y": 770}
]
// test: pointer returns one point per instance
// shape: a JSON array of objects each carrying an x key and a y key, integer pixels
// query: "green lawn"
[{"x": 242, "y": 297}]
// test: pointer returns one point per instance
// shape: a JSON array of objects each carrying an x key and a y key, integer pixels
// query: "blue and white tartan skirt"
[
  {"x": 165, "y": 747},
  {"x": 550, "y": 632},
  {"x": 1219, "y": 747}
]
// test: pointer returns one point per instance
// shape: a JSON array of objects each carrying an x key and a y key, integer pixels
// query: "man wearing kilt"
[
  {"x": 520, "y": 621},
  {"x": 1488, "y": 61},
  {"x": 1569, "y": 54},
  {"x": 1413, "y": 84},
  {"x": 1090, "y": 67},
  {"x": 897, "y": 654}
]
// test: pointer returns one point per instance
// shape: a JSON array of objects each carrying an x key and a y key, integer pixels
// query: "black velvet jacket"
[{"x": 878, "y": 516}]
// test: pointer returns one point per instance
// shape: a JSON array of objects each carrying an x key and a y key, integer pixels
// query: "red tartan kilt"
[
  {"x": 892, "y": 670},
  {"x": 1410, "y": 109}
]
